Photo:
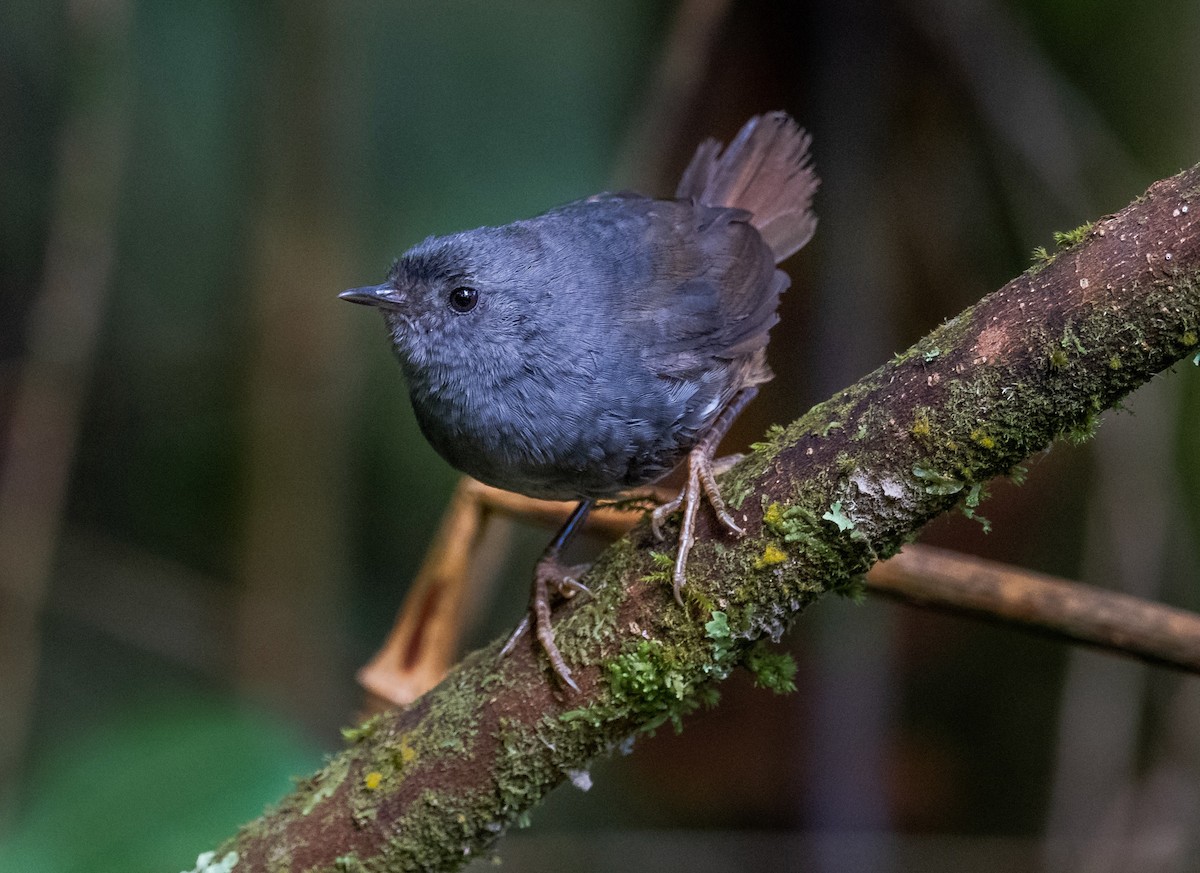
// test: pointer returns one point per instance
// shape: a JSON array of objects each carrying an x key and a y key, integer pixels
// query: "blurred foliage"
[{"x": 143, "y": 790}]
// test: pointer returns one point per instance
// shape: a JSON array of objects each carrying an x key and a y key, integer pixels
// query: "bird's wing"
[{"x": 713, "y": 289}]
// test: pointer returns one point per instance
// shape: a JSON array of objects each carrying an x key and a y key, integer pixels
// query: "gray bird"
[{"x": 602, "y": 344}]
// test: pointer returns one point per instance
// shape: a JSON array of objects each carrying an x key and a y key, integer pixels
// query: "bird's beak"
[{"x": 372, "y": 295}]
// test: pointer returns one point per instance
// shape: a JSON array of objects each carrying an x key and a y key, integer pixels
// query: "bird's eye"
[{"x": 463, "y": 299}]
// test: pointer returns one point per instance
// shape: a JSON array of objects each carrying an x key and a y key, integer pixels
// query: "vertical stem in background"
[
  {"x": 852, "y": 708},
  {"x": 290, "y": 650},
  {"x": 63, "y": 325},
  {"x": 1091, "y": 821},
  {"x": 1031, "y": 109},
  {"x": 1043, "y": 120}
]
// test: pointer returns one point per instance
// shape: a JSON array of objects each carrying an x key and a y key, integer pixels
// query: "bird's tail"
[{"x": 766, "y": 171}]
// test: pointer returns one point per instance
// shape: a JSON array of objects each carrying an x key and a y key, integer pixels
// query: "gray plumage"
[{"x": 606, "y": 335}]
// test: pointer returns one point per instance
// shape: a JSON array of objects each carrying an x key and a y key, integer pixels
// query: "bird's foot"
[
  {"x": 550, "y": 575},
  {"x": 702, "y": 472}
]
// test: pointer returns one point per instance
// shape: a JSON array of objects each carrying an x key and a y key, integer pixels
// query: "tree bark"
[{"x": 430, "y": 786}]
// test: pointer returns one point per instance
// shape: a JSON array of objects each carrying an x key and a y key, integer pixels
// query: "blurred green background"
[{"x": 213, "y": 494}]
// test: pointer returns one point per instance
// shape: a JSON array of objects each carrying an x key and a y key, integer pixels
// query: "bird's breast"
[{"x": 557, "y": 434}]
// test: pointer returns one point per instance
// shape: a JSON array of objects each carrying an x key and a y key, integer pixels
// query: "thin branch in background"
[
  {"x": 428, "y": 628},
  {"x": 1071, "y": 611},
  {"x": 63, "y": 326},
  {"x": 425, "y": 638},
  {"x": 459, "y": 566}
]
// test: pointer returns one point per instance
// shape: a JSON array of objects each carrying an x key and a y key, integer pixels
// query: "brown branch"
[
  {"x": 429, "y": 786},
  {"x": 424, "y": 640},
  {"x": 421, "y": 645},
  {"x": 1119, "y": 623}
]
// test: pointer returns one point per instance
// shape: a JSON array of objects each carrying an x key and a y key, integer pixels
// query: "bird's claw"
[
  {"x": 702, "y": 472},
  {"x": 661, "y": 513},
  {"x": 549, "y": 574}
]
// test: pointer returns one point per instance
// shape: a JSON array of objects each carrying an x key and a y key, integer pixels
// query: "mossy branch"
[{"x": 430, "y": 786}]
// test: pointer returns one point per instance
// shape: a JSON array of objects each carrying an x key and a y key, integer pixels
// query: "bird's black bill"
[{"x": 371, "y": 295}]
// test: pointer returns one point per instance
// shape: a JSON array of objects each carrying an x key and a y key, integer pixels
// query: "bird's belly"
[{"x": 561, "y": 451}]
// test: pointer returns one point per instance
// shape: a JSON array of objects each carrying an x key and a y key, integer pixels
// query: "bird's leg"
[
  {"x": 551, "y": 572},
  {"x": 702, "y": 478}
]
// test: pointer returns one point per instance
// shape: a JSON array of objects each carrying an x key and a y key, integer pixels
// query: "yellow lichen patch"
[
  {"x": 372, "y": 780},
  {"x": 773, "y": 517},
  {"x": 981, "y": 439},
  {"x": 1189, "y": 338},
  {"x": 771, "y": 555},
  {"x": 920, "y": 426},
  {"x": 407, "y": 753}
]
